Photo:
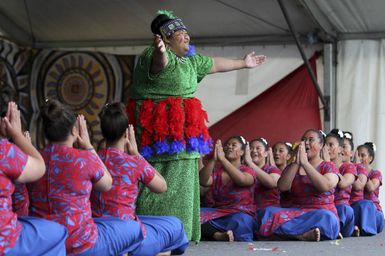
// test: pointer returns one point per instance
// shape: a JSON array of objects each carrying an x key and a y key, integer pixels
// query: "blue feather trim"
[
  {"x": 176, "y": 147},
  {"x": 146, "y": 152},
  {"x": 192, "y": 144},
  {"x": 161, "y": 147},
  {"x": 191, "y": 51},
  {"x": 205, "y": 146}
]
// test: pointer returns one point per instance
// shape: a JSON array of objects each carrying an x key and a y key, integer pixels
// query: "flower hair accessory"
[
  {"x": 264, "y": 141},
  {"x": 371, "y": 145},
  {"x": 374, "y": 147},
  {"x": 243, "y": 139},
  {"x": 289, "y": 144},
  {"x": 348, "y": 135},
  {"x": 340, "y": 133}
]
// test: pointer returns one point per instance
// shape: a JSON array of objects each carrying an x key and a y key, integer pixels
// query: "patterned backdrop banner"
[{"x": 85, "y": 81}]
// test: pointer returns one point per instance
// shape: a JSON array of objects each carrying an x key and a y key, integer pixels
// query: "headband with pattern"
[{"x": 171, "y": 27}]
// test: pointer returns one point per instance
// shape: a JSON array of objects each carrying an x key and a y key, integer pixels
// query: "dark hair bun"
[
  {"x": 158, "y": 22},
  {"x": 371, "y": 145},
  {"x": 338, "y": 132},
  {"x": 51, "y": 110}
]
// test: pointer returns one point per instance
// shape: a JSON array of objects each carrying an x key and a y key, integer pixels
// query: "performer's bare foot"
[
  {"x": 340, "y": 236},
  {"x": 356, "y": 231},
  {"x": 164, "y": 253},
  {"x": 224, "y": 236},
  {"x": 312, "y": 235}
]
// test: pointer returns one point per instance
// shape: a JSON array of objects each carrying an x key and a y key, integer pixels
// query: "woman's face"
[
  {"x": 363, "y": 155},
  {"x": 258, "y": 152},
  {"x": 313, "y": 144},
  {"x": 179, "y": 42},
  {"x": 334, "y": 148},
  {"x": 281, "y": 154},
  {"x": 347, "y": 151},
  {"x": 233, "y": 150}
]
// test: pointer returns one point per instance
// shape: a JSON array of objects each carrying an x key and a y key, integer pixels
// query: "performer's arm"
[
  {"x": 360, "y": 183},
  {"x": 346, "y": 180},
  {"x": 158, "y": 184},
  {"x": 240, "y": 178},
  {"x": 11, "y": 124},
  {"x": 249, "y": 61},
  {"x": 205, "y": 178},
  {"x": 268, "y": 180},
  {"x": 159, "y": 56},
  {"x": 322, "y": 183},
  {"x": 284, "y": 183},
  {"x": 372, "y": 184}
]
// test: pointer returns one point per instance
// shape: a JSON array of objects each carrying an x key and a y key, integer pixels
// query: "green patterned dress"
[{"x": 179, "y": 79}]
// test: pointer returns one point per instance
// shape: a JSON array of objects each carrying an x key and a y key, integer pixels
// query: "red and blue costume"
[
  {"x": 263, "y": 196},
  {"x": 357, "y": 195},
  {"x": 62, "y": 195},
  {"x": 163, "y": 233},
  {"x": 229, "y": 206},
  {"x": 341, "y": 200},
  {"x": 26, "y": 235},
  {"x": 368, "y": 212},
  {"x": 311, "y": 209}
]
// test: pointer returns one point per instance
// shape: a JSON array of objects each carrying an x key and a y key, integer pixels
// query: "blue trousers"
[
  {"x": 325, "y": 220},
  {"x": 115, "y": 236},
  {"x": 164, "y": 233},
  {"x": 39, "y": 237},
  {"x": 346, "y": 215},
  {"x": 368, "y": 218},
  {"x": 240, "y": 223}
]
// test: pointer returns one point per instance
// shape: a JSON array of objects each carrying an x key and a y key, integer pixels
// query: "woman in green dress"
[{"x": 170, "y": 123}]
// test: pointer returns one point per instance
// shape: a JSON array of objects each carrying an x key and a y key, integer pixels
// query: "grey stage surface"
[{"x": 361, "y": 246}]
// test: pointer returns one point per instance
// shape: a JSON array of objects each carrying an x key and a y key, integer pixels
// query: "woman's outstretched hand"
[{"x": 252, "y": 60}]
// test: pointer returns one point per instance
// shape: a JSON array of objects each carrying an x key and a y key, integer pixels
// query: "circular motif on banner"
[
  {"x": 75, "y": 88},
  {"x": 77, "y": 80},
  {"x": 84, "y": 81}
]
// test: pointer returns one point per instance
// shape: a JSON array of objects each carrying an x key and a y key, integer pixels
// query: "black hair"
[
  {"x": 240, "y": 139},
  {"x": 113, "y": 122},
  {"x": 263, "y": 141},
  {"x": 6, "y": 95},
  {"x": 338, "y": 135},
  {"x": 321, "y": 134},
  {"x": 288, "y": 146},
  {"x": 349, "y": 136},
  {"x": 371, "y": 149},
  {"x": 157, "y": 23},
  {"x": 58, "y": 120}
]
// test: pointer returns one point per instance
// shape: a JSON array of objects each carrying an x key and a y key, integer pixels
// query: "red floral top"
[
  {"x": 12, "y": 163},
  {"x": 63, "y": 193}
]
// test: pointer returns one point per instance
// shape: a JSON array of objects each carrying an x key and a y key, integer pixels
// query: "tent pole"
[{"x": 307, "y": 65}]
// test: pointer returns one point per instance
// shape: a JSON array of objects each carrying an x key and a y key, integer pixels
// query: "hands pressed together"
[
  {"x": 219, "y": 154},
  {"x": 131, "y": 146},
  {"x": 11, "y": 123}
]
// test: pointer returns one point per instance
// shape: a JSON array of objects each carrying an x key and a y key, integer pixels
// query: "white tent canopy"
[{"x": 89, "y": 23}]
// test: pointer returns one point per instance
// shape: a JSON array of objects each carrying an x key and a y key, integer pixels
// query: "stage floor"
[{"x": 368, "y": 246}]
